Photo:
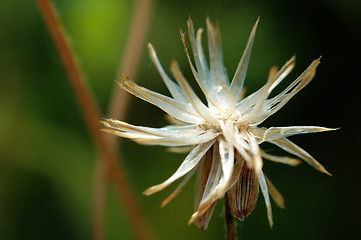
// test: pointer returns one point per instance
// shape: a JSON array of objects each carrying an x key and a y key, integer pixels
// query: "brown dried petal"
[
  {"x": 242, "y": 197},
  {"x": 275, "y": 194},
  {"x": 202, "y": 221},
  {"x": 204, "y": 170}
]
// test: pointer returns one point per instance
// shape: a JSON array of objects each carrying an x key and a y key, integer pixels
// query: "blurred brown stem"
[
  {"x": 98, "y": 208},
  {"x": 120, "y": 102},
  {"x": 92, "y": 116}
]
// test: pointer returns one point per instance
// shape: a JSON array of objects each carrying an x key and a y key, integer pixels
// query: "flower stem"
[
  {"x": 230, "y": 223},
  {"x": 92, "y": 116},
  {"x": 98, "y": 208}
]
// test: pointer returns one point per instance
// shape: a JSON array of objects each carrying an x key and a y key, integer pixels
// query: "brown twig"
[
  {"x": 230, "y": 223},
  {"x": 92, "y": 116},
  {"x": 98, "y": 208},
  {"x": 119, "y": 104}
]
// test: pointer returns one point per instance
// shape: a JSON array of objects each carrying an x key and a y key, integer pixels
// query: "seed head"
[{"x": 223, "y": 135}]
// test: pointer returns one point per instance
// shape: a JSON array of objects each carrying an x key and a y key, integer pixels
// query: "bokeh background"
[{"x": 47, "y": 157}]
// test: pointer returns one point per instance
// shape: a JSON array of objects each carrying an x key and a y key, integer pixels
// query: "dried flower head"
[{"x": 223, "y": 134}]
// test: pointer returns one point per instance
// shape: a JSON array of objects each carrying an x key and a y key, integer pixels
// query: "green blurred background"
[{"x": 47, "y": 157}]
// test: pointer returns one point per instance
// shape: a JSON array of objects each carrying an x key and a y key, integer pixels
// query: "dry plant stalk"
[
  {"x": 91, "y": 115},
  {"x": 119, "y": 104}
]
